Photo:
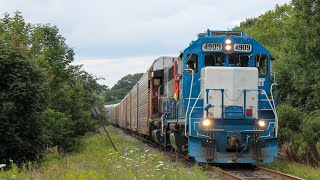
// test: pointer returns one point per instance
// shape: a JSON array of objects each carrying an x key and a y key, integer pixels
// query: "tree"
[
  {"x": 22, "y": 101},
  {"x": 121, "y": 88},
  {"x": 44, "y": 100},
  {"x": 304, "y": 53}
]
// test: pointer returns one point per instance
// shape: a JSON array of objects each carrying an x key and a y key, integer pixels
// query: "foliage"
[
  {"x": 299, "y": 135},
  {"x": 58, "y": 131},
  {"x": 22, "y": 100},
  {"x": 290, "y": 119},
  {"x": 45, "y": 101},
  {"x": 96, "y": 159},
  {"x": 121, "y": 88}
]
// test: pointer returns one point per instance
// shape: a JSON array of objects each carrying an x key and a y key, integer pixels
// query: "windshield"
[
  {"x": 216, "y": 59},
  {"x": 238, "y": 60}
]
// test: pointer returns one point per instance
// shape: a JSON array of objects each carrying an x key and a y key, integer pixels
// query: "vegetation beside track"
[
  {"x": 299, "y": 170},
  {"x": 96, "y": 159},
  {"x": 45, "y": 100}
]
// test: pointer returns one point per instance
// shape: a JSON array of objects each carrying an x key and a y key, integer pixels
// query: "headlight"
[
  {"x": 228, "y": 47},
  {"x": 227, "y": 41},
  {"x": 262, "y": 124},
  {"x": 206, "y": 122}
]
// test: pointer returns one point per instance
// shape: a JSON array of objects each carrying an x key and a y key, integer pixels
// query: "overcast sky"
[{"x": 115, "y": 38}]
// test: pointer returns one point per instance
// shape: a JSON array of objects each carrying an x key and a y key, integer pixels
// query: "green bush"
[
  {"x": 22, "y": 100},
  {"x": 58, "y": 129},
  {"x": 290, "y": 119},
  {"x": 299, "y": 135},
  {"x": 308, "y": 142}
]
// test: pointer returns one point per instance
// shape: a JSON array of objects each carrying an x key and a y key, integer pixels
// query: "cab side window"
[
  {"x": 192, "y": 62},
  {"x": 262, "y": 64}
]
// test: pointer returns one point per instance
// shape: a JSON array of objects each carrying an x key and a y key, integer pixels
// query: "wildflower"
[
  {"x": 13, "y": 176},
  {"x": 159, "y": 165}
]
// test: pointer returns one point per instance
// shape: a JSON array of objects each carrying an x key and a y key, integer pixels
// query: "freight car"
[{"x": 214, "y": 102}]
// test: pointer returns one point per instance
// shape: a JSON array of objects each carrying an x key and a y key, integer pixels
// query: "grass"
[
  {"x": 299, "y": 170},
  {"x": 96, "y": 159}
]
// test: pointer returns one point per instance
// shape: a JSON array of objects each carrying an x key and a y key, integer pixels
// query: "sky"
[{"x": 115, "y": 38}]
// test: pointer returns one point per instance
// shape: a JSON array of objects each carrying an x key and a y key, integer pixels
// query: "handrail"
[
  {"x": 191, "y": 85},
  {"x": 274, "y": 105},
  {"x": 222, "y": 99},
  {"x": 272, "y": 108},
  {"x": 260, "y": 91},
  {"x": 192, "y": 109}
]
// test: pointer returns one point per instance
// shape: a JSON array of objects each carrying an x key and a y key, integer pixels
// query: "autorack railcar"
[{"x": 214, "y": 102}]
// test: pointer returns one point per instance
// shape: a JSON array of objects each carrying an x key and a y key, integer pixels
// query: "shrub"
[
  {"x": 59, "y": 129},
  {"x": 22, "y": 100},
  {"x": 290, "y": 119},
  {"x": 299, "y": 135}
]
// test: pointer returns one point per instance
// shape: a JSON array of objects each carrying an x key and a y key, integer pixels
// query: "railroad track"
[
  {"x": 253, "y": 172},
  {"x": 229, "y": 172}
]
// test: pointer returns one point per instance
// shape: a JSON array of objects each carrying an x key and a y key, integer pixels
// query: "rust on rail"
[{"x": 278, "y": 174}]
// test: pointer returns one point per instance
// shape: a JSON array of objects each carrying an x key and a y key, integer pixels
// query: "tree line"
[
  {"x": 292, "y": 33},
  {"x": 45, "y": 101},
  {"x": 120, "y": 89}
]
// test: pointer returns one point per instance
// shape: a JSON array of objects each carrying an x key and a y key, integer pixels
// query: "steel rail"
[
  {"x": 227, "y": 175},
  {"x": 277, "y": 174}
]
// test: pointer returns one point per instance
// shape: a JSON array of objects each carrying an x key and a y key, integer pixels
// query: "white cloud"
[
  {"x": 104, "y": 33},
  {"x": 114, "y": 69}
]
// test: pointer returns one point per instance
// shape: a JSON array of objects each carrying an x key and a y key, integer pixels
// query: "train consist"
[{"x": 214, "y": 102}]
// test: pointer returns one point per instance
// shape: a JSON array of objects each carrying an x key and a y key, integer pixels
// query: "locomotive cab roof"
[{"x": 221, "y": 33}]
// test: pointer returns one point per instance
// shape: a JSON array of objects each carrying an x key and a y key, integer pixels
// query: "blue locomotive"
[{"x": 215, "y": 102}]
